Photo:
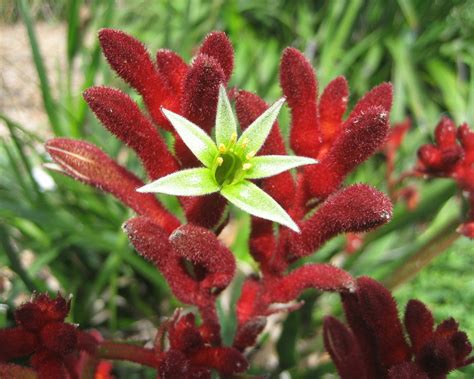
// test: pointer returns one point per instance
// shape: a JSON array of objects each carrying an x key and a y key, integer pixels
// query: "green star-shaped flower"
[{"x": 230, "y": 162}]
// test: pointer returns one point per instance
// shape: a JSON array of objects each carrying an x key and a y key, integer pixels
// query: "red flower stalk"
[
  {"x": 192, "y": 354},
  {"x": 452, "y": 156},
  {"x": 374, "y": 345},
  {"x": 41, "y": 333}
]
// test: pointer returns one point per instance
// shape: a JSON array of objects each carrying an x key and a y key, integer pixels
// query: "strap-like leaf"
[
  {"x": 269, "y": 165},
  {"x": 191, "y": 182},
  {"x": 226, "y": 125},
  {"x": 253, "y": 200},
  {"x": 202, "y": 146},
  {"x": 258, "y": 131}
]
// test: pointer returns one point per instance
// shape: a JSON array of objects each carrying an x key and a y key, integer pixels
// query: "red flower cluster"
[
  {"x": 374, "y": 346},
  {"x": 54, "y": 345},
  {"x": 191, "y": 354},
  {"x": 452, "y": 156},
  {"x": 197, "y": 266}
]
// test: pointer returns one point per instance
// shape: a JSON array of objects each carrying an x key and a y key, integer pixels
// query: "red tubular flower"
[
  {"x": 87, "y": 163},
  {"x": 42, "y": 334},
  {"x": 452, "y": 156},
  {"x": 375, "y": 340}
]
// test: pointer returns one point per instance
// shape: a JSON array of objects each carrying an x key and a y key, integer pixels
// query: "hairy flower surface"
[
  {"x": 452, "y": 156},
  {"x": 41, "y": 333},
  {"x": 373, "y": 344},
  {"x": 230, "y": 162}
]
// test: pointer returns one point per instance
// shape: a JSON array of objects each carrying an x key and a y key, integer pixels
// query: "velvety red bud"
[
  {"x": 248, "y": 332},
  {"x": 249, "y": 107},
  {"x": 437, "y": 358},
  {"x": 202, "y": 248},
  {"x": 363, "y": 135},
  {"x": 419, "y": 324},
  {"x": 298, "y": 82},
  {"x": 445, "y": 133},
  {"x": 33, "y": 315},
  {"x": 379, "y": 96},
  {"x": 430, "y": 156},
  {"x": 201, "y": 90},
  {"x": 407, "y": 370},
  {"x": 59, "y": 337},
  {"x": 122, "y": 117},
  {"x": 16, "y": 343},
  {"x": 151, "y": 242},
  {"x": 323, "y": 277},
  {"x": 129, "y": 58},
  {"x": 88, "y": 164},
  {"x": 226, "y": 360},
  {"x": 172, "y": 67},
  {"x": 332, "y": 107},
  {"x": 357, "y": 208},
  {"x": 343, "y": 348},
  {"x": 218, "y": 46},
  {"x": 379, "y": 311}
]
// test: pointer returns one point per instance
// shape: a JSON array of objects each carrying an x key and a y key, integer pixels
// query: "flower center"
[{"x": 229, "y": 168}]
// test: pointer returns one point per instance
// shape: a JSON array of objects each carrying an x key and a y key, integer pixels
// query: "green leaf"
[
  {"x": 196, "y": 139},
  {"x": 191, "y": 182},
  {"x": 226, "y": 125},
  {"x": 258, "y": 131},
  {"x": 253, "y": 200},
  {"x": 269, "y": 165}
]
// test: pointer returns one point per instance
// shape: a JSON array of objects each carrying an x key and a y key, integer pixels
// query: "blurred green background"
[{"x": 59, "y": 234}]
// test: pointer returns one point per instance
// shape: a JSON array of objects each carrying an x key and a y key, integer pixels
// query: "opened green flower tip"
[{"x": 230, "y": 162}]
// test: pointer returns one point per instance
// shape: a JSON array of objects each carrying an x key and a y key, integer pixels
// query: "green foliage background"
[{"x": 425, "y": 48}]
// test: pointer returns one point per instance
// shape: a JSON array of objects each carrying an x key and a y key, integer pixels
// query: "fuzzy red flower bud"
[
  {"x": 226, "y": 360},
  {"x": 323, "y": 277},
  {"x": 298, "y": 82},
  {"x": 130, "y": 59},
  {"x": 379, "y": 96},
  {"x": 121, "y": 116},
  {"x": 332, "y": 107},
  {"x": 16, "y": 342},
  {"x": 218, "y": 46},
  {"x": 419, "y": 324},
  {"x": 356, "y": 208},
  {"x": 342, "y": 345},
  {"x": 363, "y": 135},
  {"x": 88, "y": 164},
  {"x": 172, "y": 67}
]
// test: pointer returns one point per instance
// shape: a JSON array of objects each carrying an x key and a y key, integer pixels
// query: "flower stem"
[{"x": 128, "y": 352}]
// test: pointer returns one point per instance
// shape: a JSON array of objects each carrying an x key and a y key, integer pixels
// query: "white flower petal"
[
  {"x": 201, "y": 145},
  {"x": 190, "y": 182},
  {"x": 269, "y": 165},
  {"x": 226, "y": 125},
  {"x": 258, "y": 131},
  {"x": 253, "y": 200}
]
